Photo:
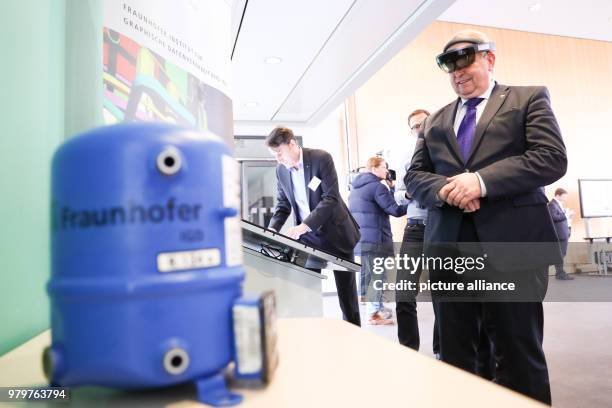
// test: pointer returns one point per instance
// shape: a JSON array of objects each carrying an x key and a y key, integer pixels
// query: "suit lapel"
[
  {"x": 288, "y": 185},
  {"x": 307, "y": 174},
  {"x": 498, "y": 97},
  {"x": 449, "y": 119}
]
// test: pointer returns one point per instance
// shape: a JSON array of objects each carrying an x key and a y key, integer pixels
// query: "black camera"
[{"x": 391, "y": 175}]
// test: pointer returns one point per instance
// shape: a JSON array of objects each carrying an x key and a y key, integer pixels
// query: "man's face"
[
  {"x": 562, "y": 198},
  {"x": 415, "y": 123},
  {"x": 286, "y": 154},
  {"x": 473, "y": 80}
]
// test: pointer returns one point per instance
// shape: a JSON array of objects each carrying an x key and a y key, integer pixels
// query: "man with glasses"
[
  {"x": 479, "y": 167},
  {"x": 412, "y": 244}
]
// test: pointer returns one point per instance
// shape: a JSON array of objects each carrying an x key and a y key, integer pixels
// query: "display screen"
[
  {"x": 595, "y": 197},
  {"x": 284, "y": 249}
]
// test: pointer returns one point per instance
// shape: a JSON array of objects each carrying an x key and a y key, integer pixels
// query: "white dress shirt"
[{"x": 299, "y": 188}]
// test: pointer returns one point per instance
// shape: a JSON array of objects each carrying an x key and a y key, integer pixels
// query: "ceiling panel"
[
  {"x": 371, "y": 34},
  {"x": 590, "y": 19},
  {"x": 294, "y": 30},
  {"x": 328, "y": 48},
  {"x": 238, "y": 9}
]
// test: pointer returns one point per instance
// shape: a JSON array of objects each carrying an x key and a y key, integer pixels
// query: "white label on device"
[
  {"x": 180, "y": 261},
  {"x": 247, "y": 331}
]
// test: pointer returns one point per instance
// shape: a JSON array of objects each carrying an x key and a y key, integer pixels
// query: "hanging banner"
[{"x": 168, "y": 61}]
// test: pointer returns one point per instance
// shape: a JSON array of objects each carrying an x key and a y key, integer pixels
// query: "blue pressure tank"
[{"x": 146, "y": 259}]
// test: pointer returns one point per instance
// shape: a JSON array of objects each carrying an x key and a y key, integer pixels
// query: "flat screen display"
[{"x": 595, "y": 197}]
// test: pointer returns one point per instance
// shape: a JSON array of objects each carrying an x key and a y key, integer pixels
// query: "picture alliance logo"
[{"x": 66, "y": 217}]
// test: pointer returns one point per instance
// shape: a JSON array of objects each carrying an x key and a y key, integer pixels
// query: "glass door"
[{"x": 259, "y": 191}]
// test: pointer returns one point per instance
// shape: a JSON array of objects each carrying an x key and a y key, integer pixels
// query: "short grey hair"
[{"x": 471, "y": 36}]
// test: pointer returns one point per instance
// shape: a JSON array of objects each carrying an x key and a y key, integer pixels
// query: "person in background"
[
  {"x": 560, "y": 218},
  {"x": 371, "y": 202},
  {"x": 308, "y": 189},
  {"x": 412, "y": 244}
]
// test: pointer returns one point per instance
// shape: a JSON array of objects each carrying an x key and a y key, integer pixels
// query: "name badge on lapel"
[{"x": 314, "y": 183}]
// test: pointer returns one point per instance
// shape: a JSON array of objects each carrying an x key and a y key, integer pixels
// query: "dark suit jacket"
[
  {"x": 333, "y": 228},
  {"x": 517, "y": 150},
  {"x": 559, "y": 220}
]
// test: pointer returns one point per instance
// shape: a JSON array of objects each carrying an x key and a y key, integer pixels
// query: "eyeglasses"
[
  {"x": 451, "y": 61},
  {"x": 416, "y": 126}
]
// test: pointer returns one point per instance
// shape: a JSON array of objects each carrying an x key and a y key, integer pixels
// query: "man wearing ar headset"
[{"x": 479, "y": 167}]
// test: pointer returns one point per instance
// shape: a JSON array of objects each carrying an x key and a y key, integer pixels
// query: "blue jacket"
[{"x": 371, "y": 203}]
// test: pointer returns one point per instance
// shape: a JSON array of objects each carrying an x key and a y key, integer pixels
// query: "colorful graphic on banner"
[{"x": 154, "y": 74}]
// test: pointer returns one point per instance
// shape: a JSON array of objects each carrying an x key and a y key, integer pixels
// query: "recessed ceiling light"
[
  {"x": 535, "y": 7},
  {"x": 273, "y": 60},
  {"x": 251, "y": 104}
]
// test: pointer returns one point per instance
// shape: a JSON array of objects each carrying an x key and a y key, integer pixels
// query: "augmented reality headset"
[{"x": 450, "y": 61}]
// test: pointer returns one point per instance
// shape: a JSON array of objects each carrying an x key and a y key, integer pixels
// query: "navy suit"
[
  {"x": 559, "y": 219},
  {"x": 517, "y": 149},
  {"x": 563, "y": 232},
  {"x": 333, "y": 229}
]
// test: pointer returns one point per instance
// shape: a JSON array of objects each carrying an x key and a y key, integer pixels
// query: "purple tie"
[{"x": 467, "y": 128}]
